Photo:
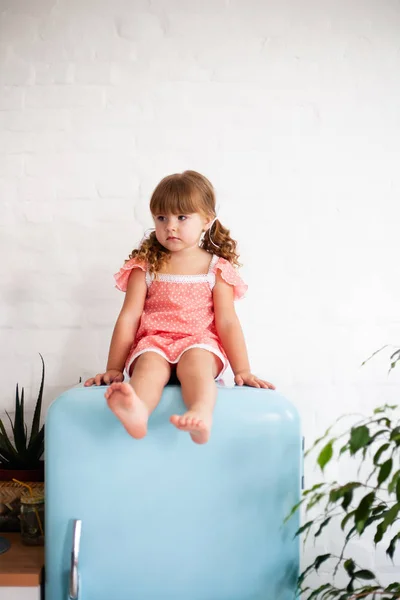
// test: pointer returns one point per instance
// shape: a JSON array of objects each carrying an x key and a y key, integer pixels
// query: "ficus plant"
[{"x": 369, "y": 503}]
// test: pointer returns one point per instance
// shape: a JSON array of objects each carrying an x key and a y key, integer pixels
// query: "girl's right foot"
[{"x": 129, "y": 408}]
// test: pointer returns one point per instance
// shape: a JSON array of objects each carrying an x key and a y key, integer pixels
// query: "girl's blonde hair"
[{"x": 182, "y": 194}]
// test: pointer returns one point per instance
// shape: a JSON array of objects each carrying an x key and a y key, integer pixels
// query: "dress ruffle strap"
[
  {"x": 122, "y": 277},
  {"x": 231, "y": 276}
]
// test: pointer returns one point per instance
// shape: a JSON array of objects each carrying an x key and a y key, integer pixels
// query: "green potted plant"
[
  {"x": 21, "y": 452},
  {"x": 368, "y": 504}
]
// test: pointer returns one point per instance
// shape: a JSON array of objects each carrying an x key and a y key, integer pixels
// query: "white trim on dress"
[
  {"x": 174, "y": 362},
  {"x": 208, "y": 277}
]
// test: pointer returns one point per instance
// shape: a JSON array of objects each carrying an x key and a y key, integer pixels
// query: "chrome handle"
[{"x": 74, "y": 571}]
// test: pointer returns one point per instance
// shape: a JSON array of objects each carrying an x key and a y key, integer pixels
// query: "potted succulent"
[
  {"x": 20, "y": 458},
  {"x": 21, "y": 451}
]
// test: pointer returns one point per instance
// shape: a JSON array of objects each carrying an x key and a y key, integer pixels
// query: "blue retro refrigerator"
[{"x": 163, "y": 518}]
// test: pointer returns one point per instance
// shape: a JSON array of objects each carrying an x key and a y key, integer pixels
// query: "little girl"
[{"x": 178, "y": 317}]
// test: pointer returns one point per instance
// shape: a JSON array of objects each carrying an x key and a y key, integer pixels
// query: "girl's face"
[{"x": 179, "y": 232}]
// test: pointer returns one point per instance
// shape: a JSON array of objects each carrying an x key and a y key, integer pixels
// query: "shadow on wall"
[
  {"x": 96, "y": 304},
  {"x": 69, "y": 322}
]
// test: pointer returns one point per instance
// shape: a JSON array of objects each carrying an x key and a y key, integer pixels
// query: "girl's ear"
[{"x": 209, "y": 223}]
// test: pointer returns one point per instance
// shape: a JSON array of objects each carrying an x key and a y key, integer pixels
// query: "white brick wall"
[{"x": 290, "y": 108}]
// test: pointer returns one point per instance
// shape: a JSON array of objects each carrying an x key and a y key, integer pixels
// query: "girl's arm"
[
  {"x": 231, "y": 335},
  {"x": 125, "y": 330}
]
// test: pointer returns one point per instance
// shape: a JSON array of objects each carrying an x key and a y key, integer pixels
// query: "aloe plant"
[{"x": 20, "y": 450}]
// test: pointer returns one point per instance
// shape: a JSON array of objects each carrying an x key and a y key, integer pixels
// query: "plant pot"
[{"x": 24, "y": 475}]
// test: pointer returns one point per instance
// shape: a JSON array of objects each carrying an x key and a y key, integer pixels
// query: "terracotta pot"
[{"x": 24, "y": 475}]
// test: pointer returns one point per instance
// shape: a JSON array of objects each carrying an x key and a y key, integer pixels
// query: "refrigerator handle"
[{"x": 74, "y": 570}]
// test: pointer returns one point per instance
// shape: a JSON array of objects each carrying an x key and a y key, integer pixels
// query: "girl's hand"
[
  {"x": 247, "y": 378},
  {"x": 105, "y": 378}
]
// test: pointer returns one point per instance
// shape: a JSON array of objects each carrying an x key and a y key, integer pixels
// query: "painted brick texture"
[{"x": 290, "y": 108}]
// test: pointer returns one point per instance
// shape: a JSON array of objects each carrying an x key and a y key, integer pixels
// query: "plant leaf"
[
  {"x": 19, "y": 425},
  {"x": 374, "y": 354},
  {"x": 342, "y": 490},
  {"x": 363, "y": 510},
  {"x": 304, "y": 527},
  {"x": 359, "y": 437},
  {"x": 6, "y": 441},
  {"x": 325, "y": 455},
  {"x": 294, "y": 509},
  {"x": 346, "y": 519},
  {"x": 349, "y": 566},
  {"x": 321, "y": 527},
  {"x": 11, "y": 423},
  {"x": 362, "y": 526},
  {"x": 318, "y": 440},
  {"x": 343, "y": 449},
  {"x": 377, "y": 434},
  {"x": 320, "y": 559},
  {"x": 351, "y": 533},
  {"x": 350, "y": 586},
  {"x": 379, "y": 452},
  {"x": 5, "y": 457},
  {"x": 315, "y": 487},
  {"x": 347, "y": 498},
  {"x": 38, "y": 407},
  {"x": 395, "y": 436},
  {"x": 36, "y": 448},
  {"x": 364, "y": 574},
  {"x": 314, "y": 500},
  {"x": 388, "y": 520},
  {"x": 391, "y": 515},
  {"x": 394, "y": 363},
  {"x": 384, "y": 408},
  {"x": 379, "y": 533},
  {"x": 392, "y": 485},
  {"x": 316, "y": 592},
  {"x": 390, "y": 550},
  {"x": 385, "y": 470},
  {"x": 379, "y": 509}
]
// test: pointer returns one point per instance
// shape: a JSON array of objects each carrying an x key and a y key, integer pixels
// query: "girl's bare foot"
[
  {"x": 129, "y": 408},
  {"x": 198, "y": 428}
]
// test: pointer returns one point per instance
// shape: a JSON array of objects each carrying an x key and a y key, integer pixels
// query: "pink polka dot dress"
[{"x": 178, "y": 312}]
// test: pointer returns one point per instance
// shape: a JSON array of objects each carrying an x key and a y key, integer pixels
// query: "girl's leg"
[
  {"x": 133, "y": 402},
  {"x": 196, "y": 372}
]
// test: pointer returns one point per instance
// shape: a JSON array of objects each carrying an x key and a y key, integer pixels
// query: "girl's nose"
[{"x": 171, "y": 226}]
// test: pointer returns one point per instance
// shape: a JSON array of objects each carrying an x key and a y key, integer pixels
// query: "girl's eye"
[
  {"x": 182, "y": 218},
  {"x": 160, "y": 218}
]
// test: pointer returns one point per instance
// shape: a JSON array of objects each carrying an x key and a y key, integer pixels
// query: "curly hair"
[{"x": 179, "y": 194}]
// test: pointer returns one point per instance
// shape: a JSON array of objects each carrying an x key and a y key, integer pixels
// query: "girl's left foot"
[{"x": 199, "y": 430}]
